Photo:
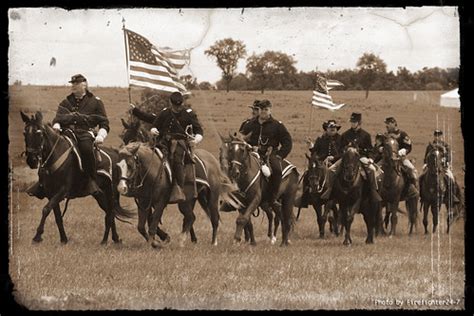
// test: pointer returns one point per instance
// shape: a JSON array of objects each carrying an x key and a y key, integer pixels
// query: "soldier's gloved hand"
[
  {"x": 364, "y": 160},
  {"x": 330, "y": 158},
  {"x": 154, "y": 131},
  {"x": 380, "y": 149},
  {"x": 402, "y": 152},
  {"x": 99, "y": 139},
  {"x": 309, "y": 142},
  {"x": 132, "y": 106},
  {"x": 197, "y": 139},
  {"x": 57, "y": 126}
]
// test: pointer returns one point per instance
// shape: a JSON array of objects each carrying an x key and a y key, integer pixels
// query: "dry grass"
[{"x": 310, "y": 274}]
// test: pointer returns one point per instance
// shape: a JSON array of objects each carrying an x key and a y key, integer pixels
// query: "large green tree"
[
  {"x": 271, "y": 70},
  {"x": 370, "y": 67},
  {"x": 227, "y": 53}
]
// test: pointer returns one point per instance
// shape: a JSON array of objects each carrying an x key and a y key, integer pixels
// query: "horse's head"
[
  {"x": 315, "y": 173},
  {"x": 238, "y": 156},
  {"x": 129, "y": 167},
  {"x": 390, "y": 150},
  {"x": 434, "y": 161},
  {"x": 350, "y": 164},
  {"x": 132, "y": 132},
  {"x": 34, "y": 138}
]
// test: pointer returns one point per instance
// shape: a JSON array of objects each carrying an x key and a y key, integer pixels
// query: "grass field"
[{"x": 310, "y": 274}]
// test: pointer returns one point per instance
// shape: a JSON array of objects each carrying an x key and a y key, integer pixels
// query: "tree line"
[{"x": 273, "y": 70}]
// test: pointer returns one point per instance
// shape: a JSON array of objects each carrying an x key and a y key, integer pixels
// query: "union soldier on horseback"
[
  {"x": 171, "y": 126},
  {"x": 405, "y": 146},
  {"x": 326, "y": 148},
  {"x": 440, "y": 144},
  {"x": 360, "y": 139},
  {"x": 265, "y": 132},
  {"x": 81, "y": 112}
]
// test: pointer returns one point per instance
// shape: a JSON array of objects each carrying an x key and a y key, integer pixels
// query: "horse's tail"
[{"x": 122, "y": 214}]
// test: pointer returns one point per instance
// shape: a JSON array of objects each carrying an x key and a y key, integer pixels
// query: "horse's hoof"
[
  {"x": 368, "y": 241},
  {"x": 156, "y": 244},
  {"x": 37, "y": 239},
  {"x": 118, "y": 241},
  {"x": 167, "y": 240},
  {"x": 346, "y": 242},
  {"x": 64, "y": 241},
  {"x": 253, "y": 243},
  {"x": 214, "y": 243},
  {"x": 103, "y": 243},
  {"x": 194, "y": 241},
  {"x": 273, "y": 240}
]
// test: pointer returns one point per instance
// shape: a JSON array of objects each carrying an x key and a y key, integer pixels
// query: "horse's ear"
[
  {"x": 125, "y": 124},
  {"x": 39, "y": 117},
  {"x": 24, "y": 117}
]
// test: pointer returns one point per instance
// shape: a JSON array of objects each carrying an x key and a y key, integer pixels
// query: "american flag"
[
  {"x": 153, "y": 67},
  {"x": 321, "y": 96}
]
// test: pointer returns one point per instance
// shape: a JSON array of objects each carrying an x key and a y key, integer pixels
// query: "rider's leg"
[
  {"x": 85, "y": 143},
  {"x": 333, "y": 170},
  {"x": 275, "y": 179},
  {"x": 412, "y": 178}
]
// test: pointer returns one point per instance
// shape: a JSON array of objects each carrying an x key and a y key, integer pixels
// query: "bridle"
[
  {"x": 38, "y": 152},
  {"x": 357, "y": 167}
]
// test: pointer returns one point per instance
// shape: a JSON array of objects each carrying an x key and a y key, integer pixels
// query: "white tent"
[{"x": 450, "y": 99}]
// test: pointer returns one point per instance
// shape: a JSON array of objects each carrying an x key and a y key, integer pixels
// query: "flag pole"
[
  {"x": 126, "y": 60},
  {"x": 310, "y": 119}
]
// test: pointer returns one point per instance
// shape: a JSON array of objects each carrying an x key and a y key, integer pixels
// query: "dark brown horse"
[
  {"x": 245, "y": 171},
  {"x": 316, "y": 177},
  {"x": 145, "y": 174},
  {"x": 61, "y": 177},
  {"x": 393, "y": 185},
  {"x": 273, "y": 219},
  {"x": 434, "y": 191},
  {"x": 351, "y": 192}
]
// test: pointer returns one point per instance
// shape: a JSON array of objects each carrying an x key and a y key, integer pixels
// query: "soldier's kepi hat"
[
  {"x": 437, "y": 132},
  {"x": 356, "y": 117},
  {"x": 390, "y": 120},
  {"x": 255, "y": 105},
  {"x": 264, "y": 104},
  {"x": 77, "y": 78},
  {"x": 330, "y": 124},
  {"x": 176, "y": 98}
]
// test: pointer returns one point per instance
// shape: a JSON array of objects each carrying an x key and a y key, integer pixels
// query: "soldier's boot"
[
  {"x": 329, "y": 184},
  {"x": 275, "y": 187},
  {"x": 373, "y": 186},
  {"x": 412, "y": 190},
  {"x": 177, "y": 194},
  {"x": 90, "y": 168},
  {"x": 37, "y": 190}
]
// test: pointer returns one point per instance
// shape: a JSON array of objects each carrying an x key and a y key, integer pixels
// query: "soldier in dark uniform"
[
  {"x": 255, "y": 114},
  {"x": 404, "y": 148},
  {"x": 377, "y": 152},
  {"x": 171, "y": 126},
  {"x": 328, "y": 146},
  {"x": 81, "y": 112},
  {"x": 267, "y": 132},
  {"x": 439, "y": 143}
]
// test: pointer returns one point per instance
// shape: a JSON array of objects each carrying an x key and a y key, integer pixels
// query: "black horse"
[
  {"x": 434, "y": 191},
  {"x": 352, "y": 193},
  {"x": 393, "y": 185},
  {"x": 315, "y": 178},
  {"x": 61, "y": 178}
]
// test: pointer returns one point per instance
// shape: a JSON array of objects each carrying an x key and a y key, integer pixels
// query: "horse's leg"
[
  {"x": 369, "y": 219},
  {"x": 244, "y": 217},
  {"x": 213, "y": 208},
  {"x": 387, "y": 216},
  {"x": 251, "y": 233},
  {"x": 142, "y": 219},
  {"x": 46, "y": 210},
  {"x": 159, "y": 231},
  {"x": 276, "y": 224},
  {"x": 59, "y": 223},
  {"x": 158, "y": 208},
  {"x": 426, "y": 206},
  {"x": 246, "y": 233},
  {"x": 412, "y": 208},
  {"x": 109, "y": 215},
  {"x": 346, "y": 221},
  {"x": 435, "y": 211},
  {"x": 393, "y": 207},
  {"x": 186, "y": 208},
  {"x": 269, "y": 213}
]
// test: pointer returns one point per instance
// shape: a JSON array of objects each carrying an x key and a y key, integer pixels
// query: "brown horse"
[
  {"x": 351, "y": 192},
  {"x": 273, "y": 219},
  {"x": 145, "y": 175},
  {"x": 393, "y": 185},
  {"x": 434, "y": 191},
  {"x": 61, "y": 177},
  {"x": 245, "y": 171}
]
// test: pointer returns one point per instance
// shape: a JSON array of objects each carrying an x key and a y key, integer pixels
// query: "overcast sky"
[{"x": 91, "y": 42}]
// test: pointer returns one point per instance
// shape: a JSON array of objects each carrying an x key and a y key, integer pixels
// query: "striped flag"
[
  {"x": 153, "y": 67},
  {"x": 321, "y": 96}
]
